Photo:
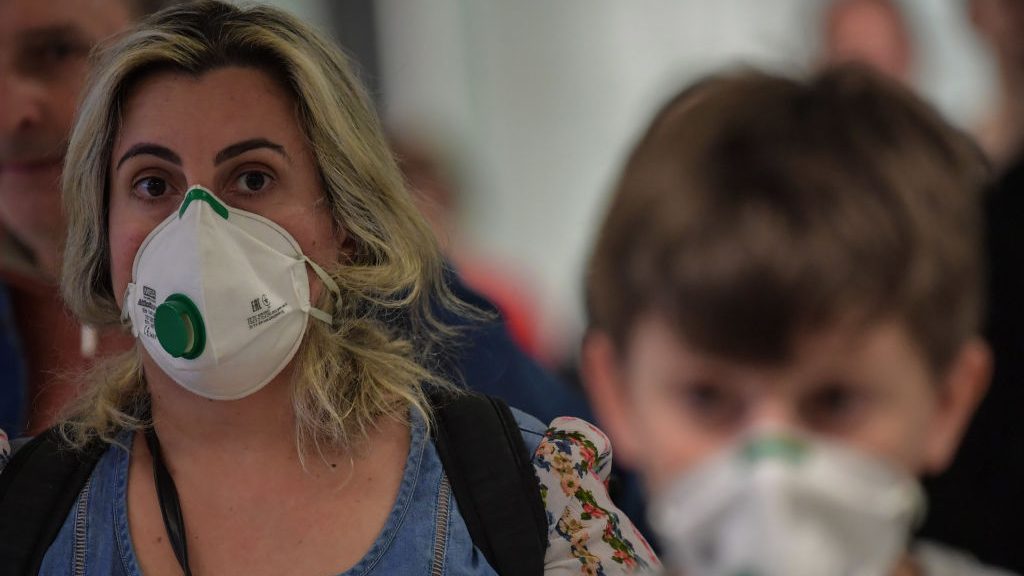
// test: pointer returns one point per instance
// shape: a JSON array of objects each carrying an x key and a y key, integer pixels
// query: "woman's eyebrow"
[
  {"x": 246, "y": 145},
  {"x": 153, "y": 150}
]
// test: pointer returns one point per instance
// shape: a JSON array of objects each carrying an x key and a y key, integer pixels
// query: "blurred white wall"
[
  {"x": 543, "y": 99},
  {"x": 314, "y": 12}
]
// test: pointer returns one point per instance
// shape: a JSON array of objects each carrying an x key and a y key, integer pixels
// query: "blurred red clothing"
[
  {"x": 55, "y": 349},
  {"x": 512, "y": 297}
]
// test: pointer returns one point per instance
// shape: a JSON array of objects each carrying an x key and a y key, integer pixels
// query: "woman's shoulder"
[{"x": 573, "y": 460}]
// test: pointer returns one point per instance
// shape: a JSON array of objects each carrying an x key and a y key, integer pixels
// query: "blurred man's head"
[
  {"x": 872, "y": 32},
  {"x": 44, "y": 47},
  {"x": 1001, "y": 24}
]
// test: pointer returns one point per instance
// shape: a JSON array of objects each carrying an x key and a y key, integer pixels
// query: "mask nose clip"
[
  {"x": 202, "y": 195},
  {"x": 179, "y": 327},
  {"x": 779, "y": 447}
]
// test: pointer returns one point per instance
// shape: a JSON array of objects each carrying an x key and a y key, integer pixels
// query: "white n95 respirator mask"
[
  {"x": 778, "y": 505},
  {"x": 219, "y": 297}
]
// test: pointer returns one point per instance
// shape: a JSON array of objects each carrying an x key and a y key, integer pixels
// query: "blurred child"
[{"x": 784, "y": 303}]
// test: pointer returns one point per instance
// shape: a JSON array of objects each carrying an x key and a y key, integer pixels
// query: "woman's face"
[{"x": 232, "y": 130}]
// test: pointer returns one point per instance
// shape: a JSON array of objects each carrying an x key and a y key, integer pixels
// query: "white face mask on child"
[
  {"x": 775, "y": 505},
  {"x": 220, "y": 297}
]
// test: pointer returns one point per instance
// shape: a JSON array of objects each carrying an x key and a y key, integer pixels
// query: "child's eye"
[
  {"x": 253, "y": 182},
  {"x": 833, "y": 406},
  {"x": 713, "y": 403}
]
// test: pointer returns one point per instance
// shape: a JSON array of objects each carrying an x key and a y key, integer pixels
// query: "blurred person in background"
[
  {"x": 499, "y": 356},
  {"x": 44, "y": 47},
  {"x": 977, "y": 503},
  {"x": 1000, "y": 23},
  {"x": 490, "y": 361},
  {"x": 434, "y": 187},
  {"x": 872, "y": 32},
  {"x": 784, "y": 305}
]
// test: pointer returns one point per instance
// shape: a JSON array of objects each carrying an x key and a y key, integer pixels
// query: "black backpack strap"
[
  {"x": 492, "y": 476},
  {"x": 38, "y": 487}
]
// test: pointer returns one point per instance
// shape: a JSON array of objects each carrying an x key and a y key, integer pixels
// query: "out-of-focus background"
[{"x": 528, "y": 108}]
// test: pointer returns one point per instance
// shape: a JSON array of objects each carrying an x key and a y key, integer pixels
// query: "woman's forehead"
[{"x": 209, "y": 110}]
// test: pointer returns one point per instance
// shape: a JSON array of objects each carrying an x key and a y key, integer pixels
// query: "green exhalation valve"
[{"x": 179, "y": 327}]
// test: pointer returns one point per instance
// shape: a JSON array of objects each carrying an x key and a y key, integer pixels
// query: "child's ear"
[
  {"x": 961, "y": 391},
  {"x": 602, "y": 376}
]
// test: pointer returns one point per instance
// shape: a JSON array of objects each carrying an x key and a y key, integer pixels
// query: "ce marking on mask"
[
  {"x": 263, "y": 312},
  {"x": 148, "y": 305}
]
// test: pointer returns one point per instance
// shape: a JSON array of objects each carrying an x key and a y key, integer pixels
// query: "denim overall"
[{"x": 424, "y": 533}]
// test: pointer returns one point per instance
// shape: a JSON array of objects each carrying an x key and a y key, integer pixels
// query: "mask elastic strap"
[
  {"x": 126, "y": 310},
  {"x": 330, "y": 284}
]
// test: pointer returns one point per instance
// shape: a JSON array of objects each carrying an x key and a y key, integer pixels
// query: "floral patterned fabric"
[{"x": 587, "y": 534}]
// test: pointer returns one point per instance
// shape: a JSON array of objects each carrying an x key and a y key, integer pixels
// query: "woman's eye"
[
  {"x": 253, "y": 181},
  {"x": 150, "y": 187}
]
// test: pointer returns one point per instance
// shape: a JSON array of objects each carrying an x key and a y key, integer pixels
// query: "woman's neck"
[
  {"x": 185, "y": 421},
  {"x": 227, "y": 457}
]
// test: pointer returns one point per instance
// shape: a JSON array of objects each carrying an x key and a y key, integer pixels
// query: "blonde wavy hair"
[{"x": 386, "y": 342}]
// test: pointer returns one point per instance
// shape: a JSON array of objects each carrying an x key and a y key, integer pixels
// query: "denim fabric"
[
  {"x": 95, "y": 540},
  {"x": 13, "y": 381}
]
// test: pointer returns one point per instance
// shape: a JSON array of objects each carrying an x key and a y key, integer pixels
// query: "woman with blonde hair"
[{"x": 232, "y": 200}]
